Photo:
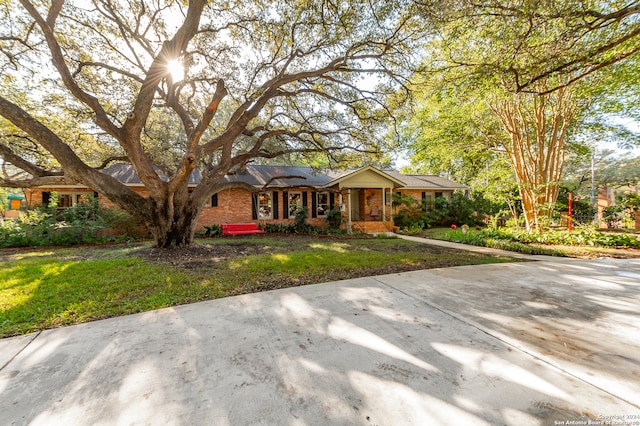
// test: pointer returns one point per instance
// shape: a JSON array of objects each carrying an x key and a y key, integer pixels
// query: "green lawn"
[{"x": 45, "y": 288}]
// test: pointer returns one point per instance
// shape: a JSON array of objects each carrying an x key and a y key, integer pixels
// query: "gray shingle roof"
[
  {"x": 279, "y": 176},
  {"x": 289, "y": 176},
  {"x": 426, "y": 181}
]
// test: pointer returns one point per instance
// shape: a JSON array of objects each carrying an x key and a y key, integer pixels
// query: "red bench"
[{"x": 241, "y": 228}]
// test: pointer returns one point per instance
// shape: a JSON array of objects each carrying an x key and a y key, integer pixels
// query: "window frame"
[
  {"x": 74, "y": 197},
  {"x": 298, "y": 204},
  {"x": 261, "y": 196},
  {"x": 319, "y": 204}
]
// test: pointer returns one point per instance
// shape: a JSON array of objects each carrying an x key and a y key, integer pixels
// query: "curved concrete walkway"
[{"x": 548, "y": 342}]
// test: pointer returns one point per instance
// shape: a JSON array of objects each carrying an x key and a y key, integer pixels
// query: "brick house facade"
[{"x": 272, "y": 194}]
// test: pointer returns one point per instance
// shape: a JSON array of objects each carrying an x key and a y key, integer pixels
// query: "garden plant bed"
[{"x": 589, "y": 250}]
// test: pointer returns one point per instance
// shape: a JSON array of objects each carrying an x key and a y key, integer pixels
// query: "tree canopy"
[
  {"x": 171, "y": 86},
  {"x": 527, "y": 42}
]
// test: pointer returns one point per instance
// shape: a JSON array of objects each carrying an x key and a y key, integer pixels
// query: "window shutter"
[
  {"x": 314, "y": 204},
  {"x": 424, "y": 201},
  {"x": 332, "y": 200},
  {"x": 214, "y": 200},
  {"x": 274, "y": 199},
  {"x": 254, "y": 206},
  {"x": 285, "y": 205},
  {"x": 305, "y": 201},
  {"x": 46, "y": 198}
]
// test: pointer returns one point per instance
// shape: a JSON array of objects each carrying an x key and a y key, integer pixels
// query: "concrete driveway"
[{"x": 552, "y": 341}]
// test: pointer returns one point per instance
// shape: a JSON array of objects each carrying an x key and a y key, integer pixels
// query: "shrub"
[
  {"x": 613, "y": 215},
  {"x": 334, "y": 218},
  {"x": 300, "y": 218},
  {"x": 409, "y": 213},
  {"x": 584, "y": 235},
  {"x": 279, "y": 228},
  {"x": 212, "y": 231},
  {"x": 81, "y": 224}
]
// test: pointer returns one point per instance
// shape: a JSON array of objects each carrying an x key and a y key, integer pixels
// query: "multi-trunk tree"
[
  {"x": 522, "y": 79},
  {"x": 537, "y": 127},
  {"x": 174, "y": 86},
  {"x": 484, "y": 128}
]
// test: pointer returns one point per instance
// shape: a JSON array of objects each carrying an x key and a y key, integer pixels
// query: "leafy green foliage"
[
  {"x": 583, "y": 235},
  {"x": 489, "y": 67},
  {"x": 523, "y": 42},
  {"x": 81, "y": 224},
  {"x": 300, "y": 218},
  {"x": 612, "y": 215},
  {"x": 582, "y": 209},
  {"x": 334, "y": 218},
  {"x": 414, "y": 215},
  {"x": 279, "y": 228},
  {"x": 212, "y": 231}
]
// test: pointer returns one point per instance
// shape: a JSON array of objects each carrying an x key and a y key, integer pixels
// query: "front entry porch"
[
  {"x": 369, "y": 210},
  {"x": 367, "y": 199}
]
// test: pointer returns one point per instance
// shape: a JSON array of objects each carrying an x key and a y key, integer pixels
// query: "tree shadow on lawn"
[{"x": 90, "y": 283}]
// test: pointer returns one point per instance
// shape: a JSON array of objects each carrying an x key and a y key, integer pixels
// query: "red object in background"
[{"x": 570, "y": 221}]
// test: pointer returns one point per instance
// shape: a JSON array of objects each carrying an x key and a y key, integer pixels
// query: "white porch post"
[
  {"x": 384, "y": 204},
  {"x": 349, "y": 210},
  {"x": 391, "y": 204}
]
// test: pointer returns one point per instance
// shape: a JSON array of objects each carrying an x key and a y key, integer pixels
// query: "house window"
[
  {"x": 427, "y": 201},
  {"x": 66, "y": 199},
  {"x": 214, "y": 200},
  {"x": 322, "y": 203},
  {"x": 294, "y": 203},
  {"x": 265, "y": 206}
]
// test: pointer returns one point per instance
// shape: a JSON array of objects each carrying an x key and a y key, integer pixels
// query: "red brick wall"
[{"x": 234, "y": 206}]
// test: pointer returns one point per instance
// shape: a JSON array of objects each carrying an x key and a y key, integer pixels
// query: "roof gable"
[{"x": 365, "y": 177}]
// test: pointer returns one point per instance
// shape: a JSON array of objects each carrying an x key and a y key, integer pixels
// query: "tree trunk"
[
  {"x": 174, "y": 222},
  {"x": 536, "y": 127}
]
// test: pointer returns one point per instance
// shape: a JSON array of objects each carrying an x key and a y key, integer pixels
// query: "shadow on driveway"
[{"x": 436, "y": 347}]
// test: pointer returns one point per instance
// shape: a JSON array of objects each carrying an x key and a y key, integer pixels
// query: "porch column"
[
  {"x": 384, "y": 204},
  {"x": 391, "y": 204},
  {"x": 349, "y": 210}
]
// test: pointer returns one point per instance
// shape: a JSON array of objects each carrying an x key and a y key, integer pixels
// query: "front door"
[{"x": 354, "y": 204}]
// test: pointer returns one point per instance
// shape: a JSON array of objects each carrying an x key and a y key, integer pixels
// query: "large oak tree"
[{"x": 86, "y": 82}]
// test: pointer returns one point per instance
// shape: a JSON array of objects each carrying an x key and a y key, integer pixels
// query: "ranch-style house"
[{"x": 272, "y": 194}]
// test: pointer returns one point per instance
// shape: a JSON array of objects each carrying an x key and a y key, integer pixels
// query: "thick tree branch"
[
  {"x": 189, "y": 160},
  {"x": 11, "y": 157},
  {"x": 74, "y": 168}
]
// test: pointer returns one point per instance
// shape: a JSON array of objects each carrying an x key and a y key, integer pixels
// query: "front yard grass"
[{"x": 46, "y": 288}]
